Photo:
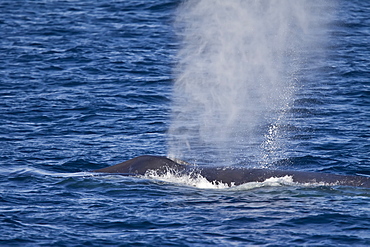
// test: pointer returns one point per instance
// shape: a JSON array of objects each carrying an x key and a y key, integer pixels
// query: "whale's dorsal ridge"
[{"x": 139, "y": 165}]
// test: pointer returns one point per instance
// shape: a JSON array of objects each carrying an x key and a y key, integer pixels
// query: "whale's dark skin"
[{"x": 229, "y": 175}]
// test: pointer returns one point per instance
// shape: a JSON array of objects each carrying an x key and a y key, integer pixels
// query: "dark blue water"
[{"x": 87, "y": 84}]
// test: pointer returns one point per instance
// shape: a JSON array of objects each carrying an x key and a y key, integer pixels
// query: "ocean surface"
[{"x": 88, "y": 84}]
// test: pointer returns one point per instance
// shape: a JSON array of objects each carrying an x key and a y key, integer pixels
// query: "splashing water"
[
  {"x": 197, "y": 180},
  {"x": 193, "y": 179},
  {"x": 236, "y": 76}
]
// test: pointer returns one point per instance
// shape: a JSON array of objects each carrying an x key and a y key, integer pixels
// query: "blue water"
[{"x": 87, "y": 84}]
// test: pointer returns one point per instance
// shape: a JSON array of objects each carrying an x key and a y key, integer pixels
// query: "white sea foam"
[
  {"x": 197, "y": 180},
  {"x": 270, "y": 182},
  {"x": 189, "y": 179}
]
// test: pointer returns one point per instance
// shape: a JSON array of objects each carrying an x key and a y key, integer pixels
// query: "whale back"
[
  {"x": 141, "y": 164},
  {"x": 230, "y": 175},
  {"x": 240, "y": 175}
]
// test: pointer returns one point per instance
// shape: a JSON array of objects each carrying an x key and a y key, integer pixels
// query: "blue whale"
[{"x": 228, "y": 175}]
